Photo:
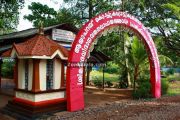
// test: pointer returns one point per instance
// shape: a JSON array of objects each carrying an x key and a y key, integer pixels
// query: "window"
[
  {"x": 49, "y": 74},
  {"x": 26, "y": 74}
]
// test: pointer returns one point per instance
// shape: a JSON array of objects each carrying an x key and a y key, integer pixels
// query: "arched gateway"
[{"x": 85, "y": 38}]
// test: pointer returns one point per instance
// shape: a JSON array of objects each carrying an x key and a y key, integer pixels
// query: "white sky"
[{"x": 25, "y": 24}]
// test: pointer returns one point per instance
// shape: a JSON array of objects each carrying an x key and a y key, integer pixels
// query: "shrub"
[
  {"x": 122, "y": 84},
  {"x": 8, "y": 69},
  {"x": 123, "y": 80},
  {"x": 98, "y": 83},
  {"x": 170, "y": 71},
  {"x": 164, "y": 86},
  {"x": 143, "y": 90},
  {"x": 172, "y": 78},
  {"x": 109, "y": 83},
  {"x": 111, "y": 68}
]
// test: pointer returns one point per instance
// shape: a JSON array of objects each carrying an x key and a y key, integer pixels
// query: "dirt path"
[
  {"x": 166, "y": 108},
  {"x": 115, "y": 104},
  {"x": 94, "y": 96}
]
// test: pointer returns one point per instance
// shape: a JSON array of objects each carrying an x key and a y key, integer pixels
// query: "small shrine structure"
[
  {"x": 39, "y": 76},
  {"x": 40, "y": 68}
]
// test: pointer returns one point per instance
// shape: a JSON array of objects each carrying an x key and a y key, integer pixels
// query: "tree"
[
  {"x": 86, "y": 9},
  {"x": 162, "y": 17},
  {"x": 9, "y": 15},
  {"x": 49, "y": 16},
  {"x": 41, "y": 13},
  {"x": 139, "y": 55}
]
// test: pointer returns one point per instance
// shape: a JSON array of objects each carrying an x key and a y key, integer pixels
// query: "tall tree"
[
  {"x": 86, "y": 9},
  {"x": 49, "y": 16},
  {"x": 139, "y": 55},
  {"x": 41, "y": 13},
  {"x": 9, "y": 15},
  {"x": 163, "y": 19}
]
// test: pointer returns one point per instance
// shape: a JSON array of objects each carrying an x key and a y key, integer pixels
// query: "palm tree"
[
  {"x": 138, "y": 55},
  {"x": 139, "y": 59}
]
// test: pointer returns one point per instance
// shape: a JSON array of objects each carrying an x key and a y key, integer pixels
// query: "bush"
[
  {"x": 164, "y": 86},
  {"x": 172, "y": 78},
  {"x": 123, "y": 80},
  {"x": 143, "y": 90},
  {"x": 8, "y": 69},
  {"x": 170, "y": 71},
  {"x": 111, "y": 68},
  {"x": 98, "y": 83},
  {"x": 122, "y": 84},
  {"x": 109, "y": 83}
]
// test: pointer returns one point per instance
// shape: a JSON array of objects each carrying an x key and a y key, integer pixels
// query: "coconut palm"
[{"x": 138, "y": 57}]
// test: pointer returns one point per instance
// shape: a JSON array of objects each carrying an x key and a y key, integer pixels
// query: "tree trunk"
[
  {"x": 88, "y": 75},
  {"x": 90, "y": 9},
  {"x": 126, "y": 62},
  {"x": 135, "y": 76}
]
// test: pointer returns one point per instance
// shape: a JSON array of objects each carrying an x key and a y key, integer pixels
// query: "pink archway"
[{"x": 81, "y": 46}]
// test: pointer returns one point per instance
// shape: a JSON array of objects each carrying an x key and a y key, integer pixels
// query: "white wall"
[
  {"x": 40, "y": 97},
  {"x": 42, "y": 76},
  {"x": 30, "y": 74},
  {"x": 21, "y": 74},
  {"x": 57, "y": 74}
]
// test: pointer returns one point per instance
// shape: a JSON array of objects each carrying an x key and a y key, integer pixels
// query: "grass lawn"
[
  {"x": 174, "y": 88},
  {"x": 97, "y": 75}
]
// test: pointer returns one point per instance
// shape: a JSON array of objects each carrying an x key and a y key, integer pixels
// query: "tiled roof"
[
  {"x": 39, "y": 45},
  {"x": 6, "y": 53}
]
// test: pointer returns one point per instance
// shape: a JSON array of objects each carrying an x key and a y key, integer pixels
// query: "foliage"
[
  {"x": 41, "y": 13},
  {"x": 143, "y": 90},
  {"x": 115, "y": 48},
  {"x": 9, "y": 15},
  {"x": 165, "y": 61},
  {"x": 122, "y": 83},
  {"x": 8, "y": 69},
  {"x": 139, "y": 55},
  {"x": 123, "y": 79},
  {"x": 162, "y": 16},
  {"x": 164, "y": 86},
  {"x": 111, "y": 68},
  {"x": 84, "y": 10},
  {"x": 171, "y": 78},
  {"x": 98, "y": 80},
  {"x": 174, "y": 88},
  {"x": 108, "y": 83},
  {"x": 49, "y": 16},
  {"x": 170, "y": 71},
  {"x": 97, "y": 83}
]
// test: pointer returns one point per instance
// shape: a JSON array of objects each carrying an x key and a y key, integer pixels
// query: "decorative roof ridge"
[{"x": 36, "y": 40}]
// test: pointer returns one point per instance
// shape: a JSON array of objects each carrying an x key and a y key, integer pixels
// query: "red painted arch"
[{"x": 83, "y": 41}]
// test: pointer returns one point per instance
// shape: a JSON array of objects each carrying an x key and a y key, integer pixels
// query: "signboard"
[
  {"x": 83, "y": 42},
  {"x": 63, "y": 35}
]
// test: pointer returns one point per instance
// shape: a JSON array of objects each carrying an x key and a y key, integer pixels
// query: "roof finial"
[{"x": 41, "y": 28}]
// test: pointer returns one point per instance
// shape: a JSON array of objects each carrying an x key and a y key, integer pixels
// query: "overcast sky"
[{"x": 25, "y": 24}]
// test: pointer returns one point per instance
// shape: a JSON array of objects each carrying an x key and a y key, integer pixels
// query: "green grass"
[
  {"x": 173, "y": 77},
  {"x": 94, "y": 75},
  {"x": 173, "y": 82},
  {"x": 174, "y": 88}
]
